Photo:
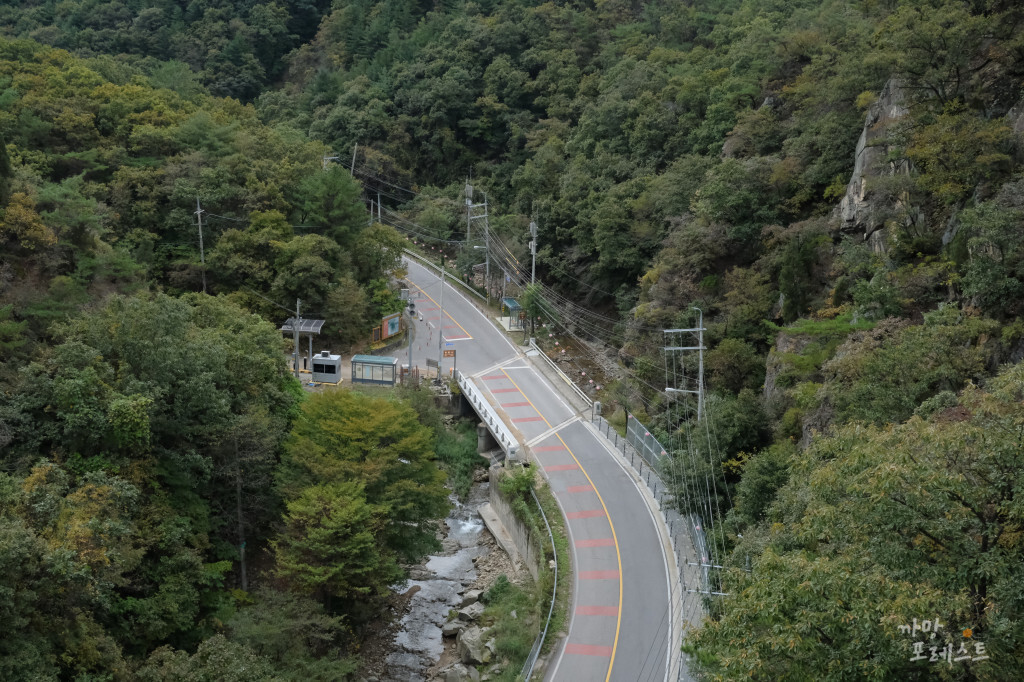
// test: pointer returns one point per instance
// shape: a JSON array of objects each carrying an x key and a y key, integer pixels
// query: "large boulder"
[
  {"x": 471, "y": 597},
  {"x": 453, "y": 628},
  {"x": 460, "y": 673},
  {"x": 470, "y": 646},
  {"x": 471, "y": 612}
]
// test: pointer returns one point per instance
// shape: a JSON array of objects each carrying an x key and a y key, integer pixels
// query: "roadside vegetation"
[{"x": 170, "y": 498}]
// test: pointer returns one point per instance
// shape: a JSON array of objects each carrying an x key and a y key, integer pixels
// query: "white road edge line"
[
  {"x": 671, "y": 571},
  {"x": 471, "y": 305}
]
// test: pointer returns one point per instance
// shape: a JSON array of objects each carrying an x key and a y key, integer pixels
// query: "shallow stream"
[{"x": 442, "y": 580}]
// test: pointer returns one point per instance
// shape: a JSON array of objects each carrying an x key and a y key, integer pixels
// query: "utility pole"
[
  {"x": 295, "y": 333},
  {"x": 699, "y": 331},
  {"x": 352, "y": 170},
  {"x": 487, "y": 253},
  {"x": 412, "y": 330},
  {"x": 329, "y": 158},
  {"x": 487, "y": 237},
  {"x": 440, "y": 321},
  {"x": 202, "y": 256},
  {"x": 533, "y": 251},
  {"x": 700, "y": 361},
  {"x": 378, "y": 208},
  {"x": 469, "y": 211}
]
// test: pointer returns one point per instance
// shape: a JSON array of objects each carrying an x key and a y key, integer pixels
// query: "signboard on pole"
[
  {"x": 449, "y": 353},
  {"x": 390, "y": 325}
]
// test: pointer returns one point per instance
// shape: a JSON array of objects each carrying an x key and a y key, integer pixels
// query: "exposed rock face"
[
  {"x": 776, "y": 365},
  {"x": 1015, "y": 118},
  {"x": 858, "y": 213}
]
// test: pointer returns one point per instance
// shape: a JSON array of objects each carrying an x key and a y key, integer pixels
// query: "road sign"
[
  {"x": 449, "y": 353},
  {"x": 448, "y": 343},
  {"x": 431, "y": 362}
]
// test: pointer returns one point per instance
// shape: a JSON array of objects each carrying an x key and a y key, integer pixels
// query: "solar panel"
[{"x": 305, "y": 326}]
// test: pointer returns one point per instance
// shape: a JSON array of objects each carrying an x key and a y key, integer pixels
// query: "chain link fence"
[{"x": 650, "y": 460}]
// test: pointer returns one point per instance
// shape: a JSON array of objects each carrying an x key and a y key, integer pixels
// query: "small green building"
[{"x": 374, "y": 369}]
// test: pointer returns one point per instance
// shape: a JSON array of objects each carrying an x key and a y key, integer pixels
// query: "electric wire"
[
  {"x": 368, "y": 173},
  {"x": 563, "y": 313}
]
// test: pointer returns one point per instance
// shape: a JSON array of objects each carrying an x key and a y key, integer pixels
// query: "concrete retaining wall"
[{"x": 524, "y": 539}]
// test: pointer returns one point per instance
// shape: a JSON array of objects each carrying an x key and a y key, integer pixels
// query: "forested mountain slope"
[{"x": 836, "y": 185}]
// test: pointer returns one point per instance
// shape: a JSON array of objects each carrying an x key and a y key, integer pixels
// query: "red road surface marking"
[
  {"x": 504, "y": 390},
  {"x": 599, "y": 575},
  {"x": 597, "y": 610},
  {"x": 520, "y": 420},
  {"x": 588, "y": 650},
  {"x": 517, "y": 405},
  {"x": 580, "y": 488},
  {"x": 494, "y": 376},
  {"x": 603, "y": 542},
  {"x": 589, "y": 514},
  {"x": 561, "y": 467},
  {"x": 549, "y": 448}
]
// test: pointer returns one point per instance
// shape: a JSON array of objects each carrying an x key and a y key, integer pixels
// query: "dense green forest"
[{"x": 837, "y": 185}]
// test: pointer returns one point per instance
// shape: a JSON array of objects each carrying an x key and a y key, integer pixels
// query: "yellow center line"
[
  {"x": 468, "y": 335},
  {"x": 615, "y": 538}
]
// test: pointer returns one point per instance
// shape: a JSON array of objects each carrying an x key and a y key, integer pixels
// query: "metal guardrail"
[
  {"x": 563, "y": 375},
  {"x": 531, "y": 660},
  {"x": 458, "y": 281},
  {"x": 483, "y": 408},
  {"x": 644, "y": 454}
]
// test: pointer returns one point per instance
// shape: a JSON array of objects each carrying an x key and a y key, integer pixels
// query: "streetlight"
[
  {"x": 440, "y": 321},
  {"x": 412, "y": 320}
]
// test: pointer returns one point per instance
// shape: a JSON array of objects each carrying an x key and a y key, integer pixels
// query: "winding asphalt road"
[{"x": 621, "y": 624}]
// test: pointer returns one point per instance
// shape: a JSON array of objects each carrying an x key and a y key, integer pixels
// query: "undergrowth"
[{"x": 456, "y": 450}]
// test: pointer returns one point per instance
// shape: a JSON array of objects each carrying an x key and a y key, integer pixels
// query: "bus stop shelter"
[{"x": 511, "y": 307}]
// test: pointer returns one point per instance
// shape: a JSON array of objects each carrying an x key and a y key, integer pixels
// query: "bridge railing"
[{"x": 501, "y": 434}]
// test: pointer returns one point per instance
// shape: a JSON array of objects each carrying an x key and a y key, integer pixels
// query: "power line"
[
  {"x": 368, "y": 173},
  {"x": 249, "y": 221}
]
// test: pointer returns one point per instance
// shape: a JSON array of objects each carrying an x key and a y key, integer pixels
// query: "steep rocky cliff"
[{"x": 862, "y": 211}]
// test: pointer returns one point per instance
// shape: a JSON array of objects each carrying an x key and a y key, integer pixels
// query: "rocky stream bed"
[{"x": 419, "y": 643}]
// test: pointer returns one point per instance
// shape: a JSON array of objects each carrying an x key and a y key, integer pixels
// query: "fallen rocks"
[
  {"x": 470, "y": 646},
  {"x": 461, "y": 673},
  {"x": 470, "y": 597},
  {"x": 453, "y": 628},
  {"x": 471, "y": 612}
]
